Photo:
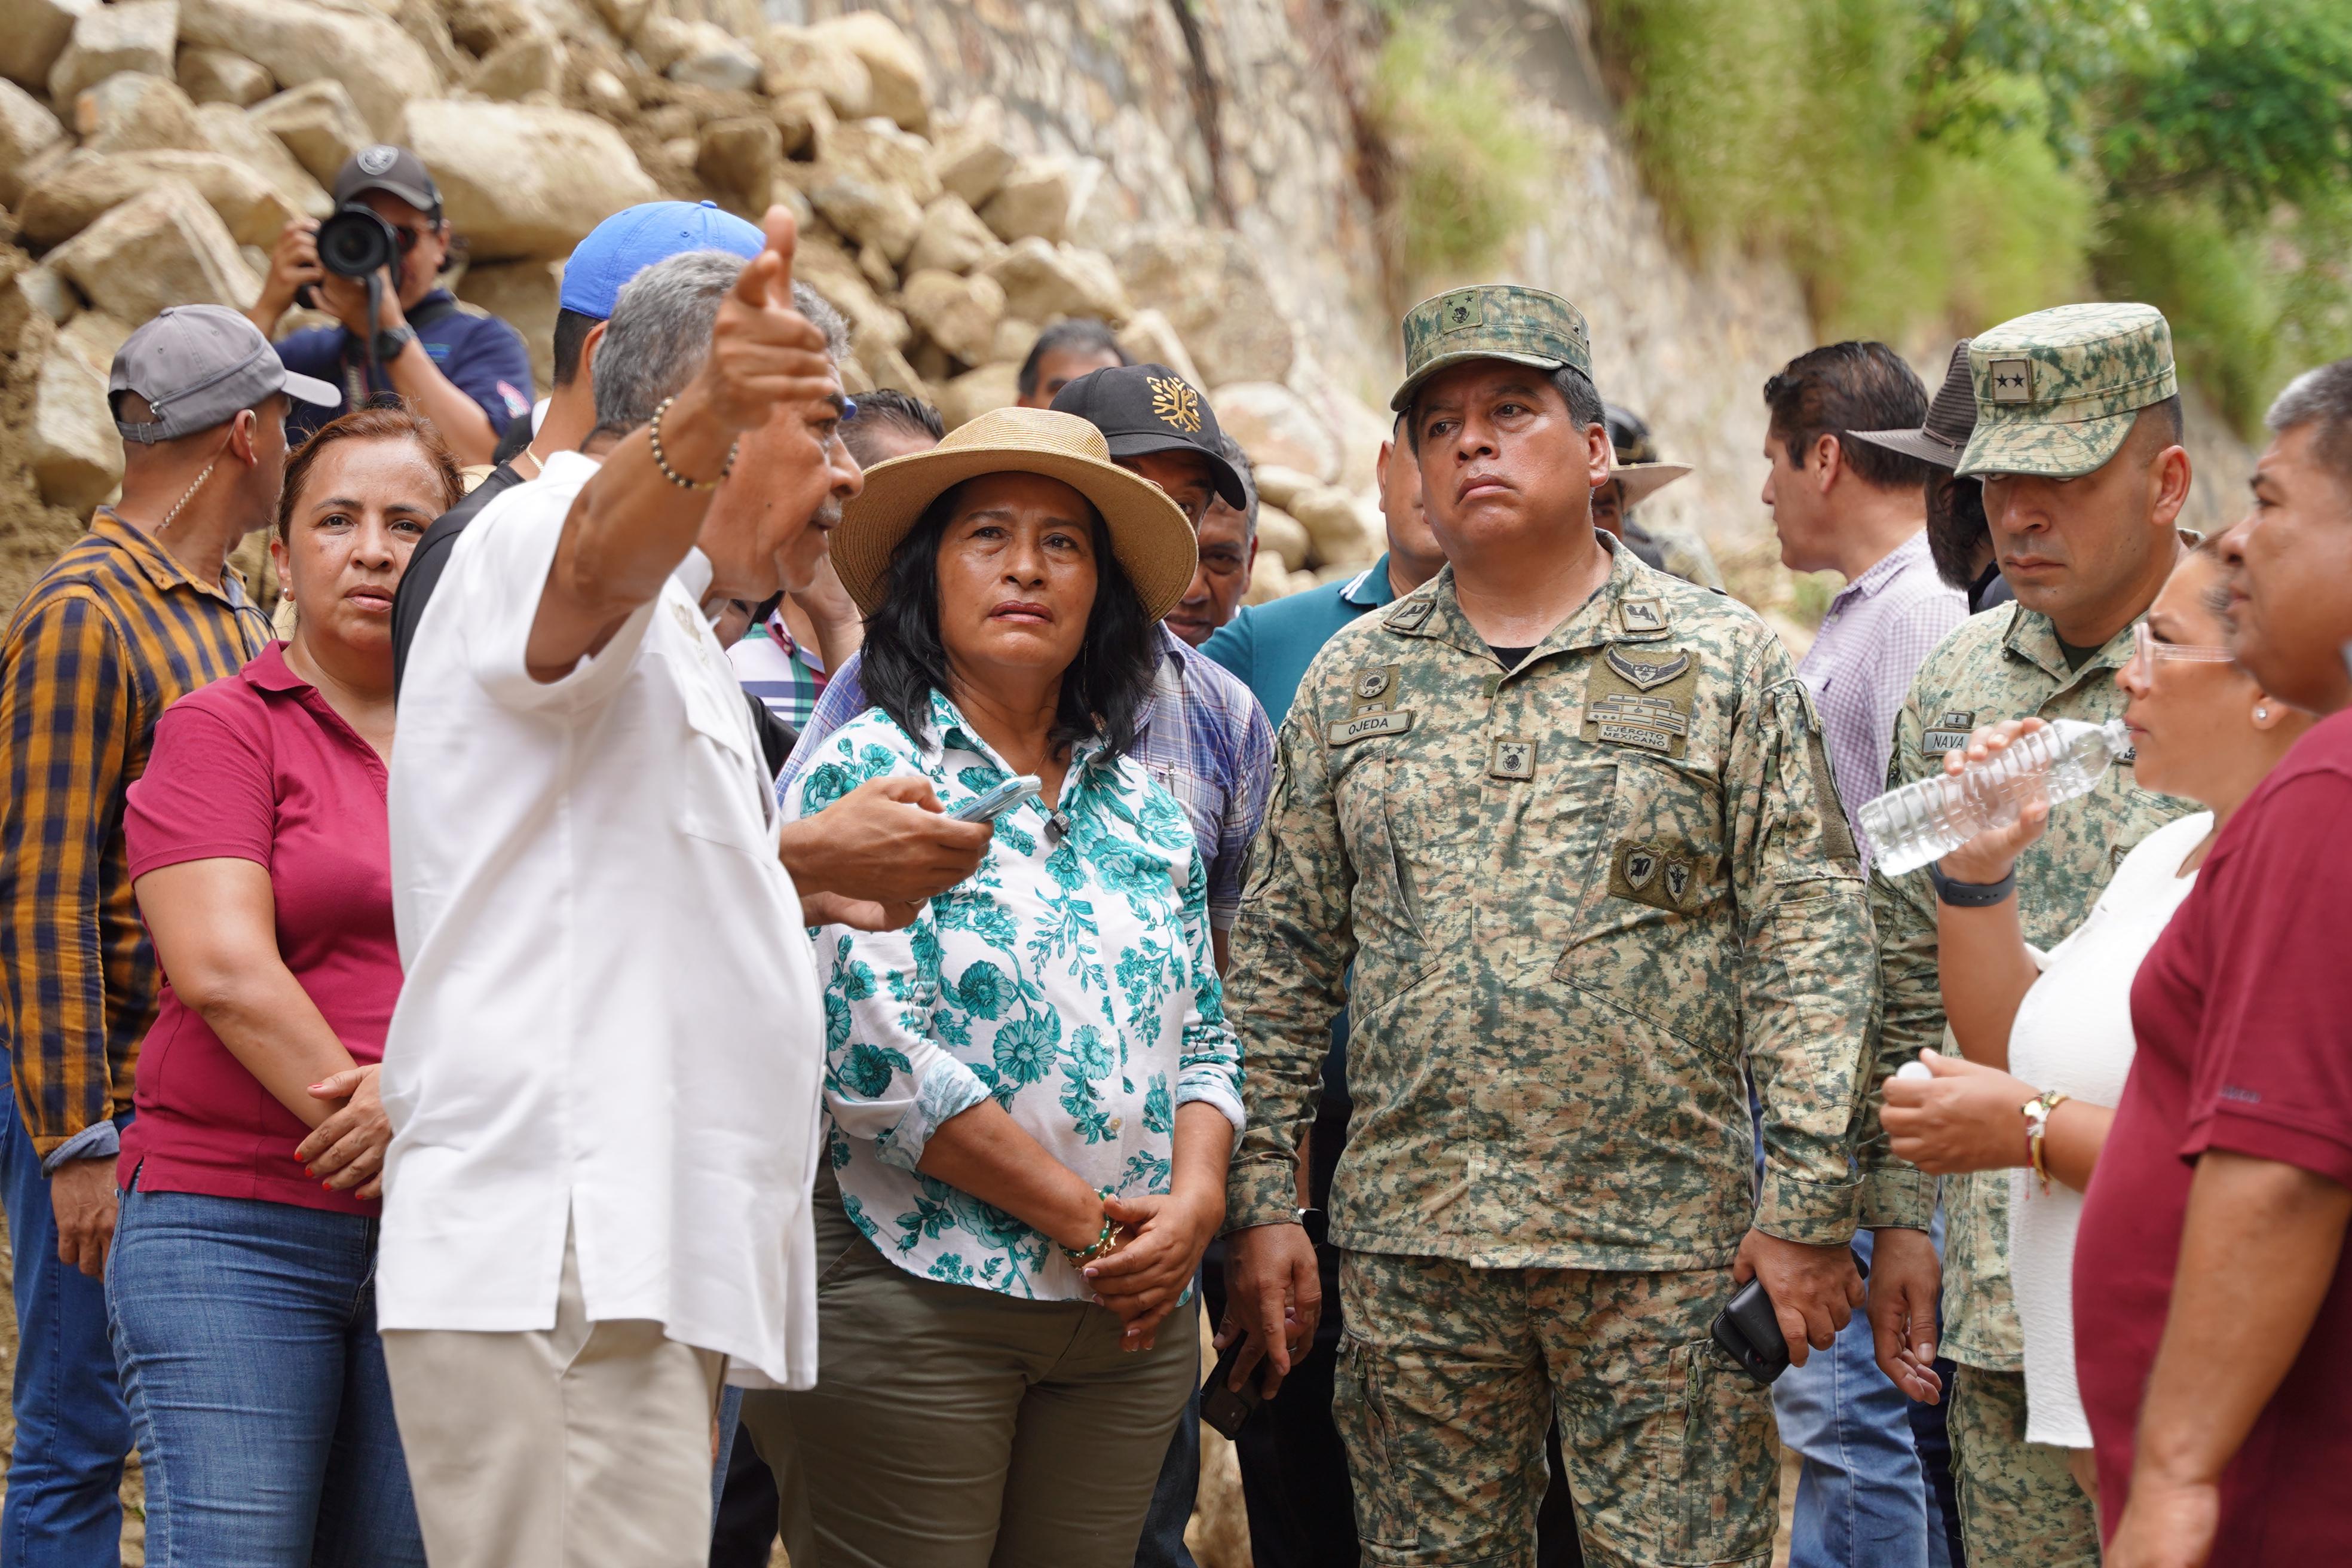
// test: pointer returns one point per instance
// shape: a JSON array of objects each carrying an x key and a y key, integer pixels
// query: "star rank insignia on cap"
[
  {"x": 2012, "y": 380},
  {"x": 1176, "y": 404},
  {"x": 1462, "y": 310}
]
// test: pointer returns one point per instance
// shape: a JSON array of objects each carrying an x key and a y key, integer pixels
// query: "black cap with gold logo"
[{"x": 1146, "y": 408}]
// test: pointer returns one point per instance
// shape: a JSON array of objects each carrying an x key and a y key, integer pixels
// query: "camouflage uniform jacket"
[
  {"x": 1570, "y": 894},
  {"x": 2003, "y": 664}
]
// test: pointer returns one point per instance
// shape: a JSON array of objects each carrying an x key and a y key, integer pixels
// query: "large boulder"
[
  {"x": 525, "y": 295},
  {"x": 130, "y": 35},
  {"x": 1033, "y": 201},
  {"x": 71, "y": 445},
  {"x": 700, "y": 54},
  {"x": 1282, "y": 534},
  {"x": 96, "y": 336},
  {"x": 1215, "y": 295},
  {"x": 30, "y": 140},
  {"x": 165, "y": 247},
  {"x": 216, "y": 75},
  {"x": 1045, "y": 282},
  {"x": 525, "y": 64},
  {"x": 320, "y": 125},
  {"x": 953, "y": 239},
  {"x": 978, "y": 392},
  {"x": 1150, "y": 338},
  {"x": 876, "y": 147},
  {"x": 900, "y": 88},
  {"x": 868, "y": 211},
  {"x": 959, "y": 314},
  {"x": 231, "y": 131},
  {"x": 825, "y": 267},
  {"x": 1346, "y": 531},
  {"x": 1275, "y": 426},
  {"x": 523, "y": 179},
  {"x": 79, "y": 190},
  {"x": 380, "y": 66},
  {"x": 131, "y": 111},
  {"x": 737, "y": 158},
  {"x": 798, "y": 57},
  {"x": 33, "y": 34},
  {"x": 972, "y": 156}
]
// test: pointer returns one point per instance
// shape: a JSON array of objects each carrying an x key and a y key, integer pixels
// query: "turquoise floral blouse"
[{"x": 1070, "y": 977}]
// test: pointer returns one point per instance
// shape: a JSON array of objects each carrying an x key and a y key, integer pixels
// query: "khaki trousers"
[
  {"x": 956, "y": 1428},
  {"x": 585, "y": 1447}
]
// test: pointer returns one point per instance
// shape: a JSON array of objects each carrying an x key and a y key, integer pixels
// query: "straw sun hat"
[{"x": 1149, "y": 535}]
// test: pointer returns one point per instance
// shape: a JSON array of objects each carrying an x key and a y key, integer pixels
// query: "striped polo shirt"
[{"x": 111, "y": 634}]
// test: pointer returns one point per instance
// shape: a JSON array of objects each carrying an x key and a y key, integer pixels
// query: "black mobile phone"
[
  {"x": 1751, "y": 1334},
  {"x": 1227, "y": 1409}
]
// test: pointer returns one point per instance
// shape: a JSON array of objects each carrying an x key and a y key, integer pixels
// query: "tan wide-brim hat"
[
  {"x": 1643, "y": 481},
  {"x": 1149, "y": 534}
]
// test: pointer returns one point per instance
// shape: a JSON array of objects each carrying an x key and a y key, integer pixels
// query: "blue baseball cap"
[{"x": 636, "y": 238}]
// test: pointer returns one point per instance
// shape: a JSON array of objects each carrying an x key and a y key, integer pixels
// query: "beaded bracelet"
[
  {"x": 1113, "y": 1236},
  {"x": 661, "y": 459}
]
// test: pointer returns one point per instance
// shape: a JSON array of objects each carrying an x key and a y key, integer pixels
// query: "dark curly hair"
[{"x": 1104, "y": 689}]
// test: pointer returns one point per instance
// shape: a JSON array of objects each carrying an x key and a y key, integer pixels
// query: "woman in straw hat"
[{"x": 1032, "y": 1088}]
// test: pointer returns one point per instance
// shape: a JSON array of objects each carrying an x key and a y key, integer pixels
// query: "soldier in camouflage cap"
[
  {"x": 2077, "y": 439},
  {"x": 1571, "y": 821},
  {"x": 2058, "y": 391}
]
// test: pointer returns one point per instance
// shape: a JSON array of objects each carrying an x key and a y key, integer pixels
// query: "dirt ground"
[{"x": 1218, "y": 1535}]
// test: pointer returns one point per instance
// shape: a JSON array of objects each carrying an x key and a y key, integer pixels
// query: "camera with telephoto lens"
[{"x": 355, "y": 242}]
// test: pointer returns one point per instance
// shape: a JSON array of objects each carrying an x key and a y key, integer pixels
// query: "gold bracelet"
[
  {"x": 1113, "y": 1238},
  {"x": 661, "y": 459},
  {"x": 2036, "y": 1127}
]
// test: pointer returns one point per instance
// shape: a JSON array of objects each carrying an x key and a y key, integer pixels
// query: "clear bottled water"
[{"x": 1928, "y": 819}]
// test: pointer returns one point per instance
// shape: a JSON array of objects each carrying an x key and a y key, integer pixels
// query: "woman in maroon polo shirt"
[{"x": 240, "y": 1289}]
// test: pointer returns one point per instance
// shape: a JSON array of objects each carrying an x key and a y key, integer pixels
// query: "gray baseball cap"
[
  {"x": 393, "y": 170},
  {"x": 197, "y": 365}
]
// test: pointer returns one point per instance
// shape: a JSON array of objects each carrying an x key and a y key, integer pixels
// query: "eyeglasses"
[{"x": 2146, "y": 652}]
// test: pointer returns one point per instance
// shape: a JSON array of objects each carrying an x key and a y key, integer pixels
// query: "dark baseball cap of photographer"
[
  {"x": 197, "y": 366},
  {"x": 395, "y": 170}
]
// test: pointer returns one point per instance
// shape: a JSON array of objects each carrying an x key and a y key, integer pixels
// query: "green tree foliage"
[
  {"x": 1463, "y": 174},
  {"x": 1952, "y": 163}
]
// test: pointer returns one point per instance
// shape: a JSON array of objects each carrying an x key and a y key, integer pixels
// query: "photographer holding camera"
[{"x": 463, "y": 368}]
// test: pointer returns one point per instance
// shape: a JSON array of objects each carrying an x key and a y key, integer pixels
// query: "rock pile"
[{"x": 151, "y": 150}]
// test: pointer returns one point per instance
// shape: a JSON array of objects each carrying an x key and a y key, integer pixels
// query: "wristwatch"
[{"x": 390, "y": 342}]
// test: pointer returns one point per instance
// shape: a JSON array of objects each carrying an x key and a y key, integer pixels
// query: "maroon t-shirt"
[
  {"x": 259, "y": 767},
  {"x": 2243, "y": 1011}
]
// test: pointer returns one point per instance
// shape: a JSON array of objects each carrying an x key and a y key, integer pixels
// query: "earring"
[{"x": 2261, "y": 712}]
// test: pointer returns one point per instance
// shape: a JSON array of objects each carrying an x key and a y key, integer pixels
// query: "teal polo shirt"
[{"x": 1270, "y": 645}]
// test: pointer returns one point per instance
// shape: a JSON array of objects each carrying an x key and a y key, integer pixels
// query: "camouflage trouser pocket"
[
  {"x": 1365, "y": 1424},
  {"x": 1719, "y": 1465}
]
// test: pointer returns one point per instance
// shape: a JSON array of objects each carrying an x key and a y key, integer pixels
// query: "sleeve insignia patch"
[
  {"x": 1641, "y": 702},
  {"x": 1511, "y": 758},
  {"x": 2012, "y": 380},
  {"x": 1658, "y": 875},
  {"x": 1642, "y": 614}
]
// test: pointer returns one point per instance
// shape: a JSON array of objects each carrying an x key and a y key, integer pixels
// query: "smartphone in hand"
[
  {"x": 1227, "y": 1410},
  {"x": 1000, "y": 800}
]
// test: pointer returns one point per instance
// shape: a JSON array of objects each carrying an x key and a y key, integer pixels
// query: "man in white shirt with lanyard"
[{"x": 604, "y": 1073}]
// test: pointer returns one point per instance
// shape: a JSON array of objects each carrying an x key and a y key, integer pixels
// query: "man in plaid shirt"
[{"x": 139, "y": 611}]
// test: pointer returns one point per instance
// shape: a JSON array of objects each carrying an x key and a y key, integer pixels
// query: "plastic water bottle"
[{"x": 1928, "y": 819}]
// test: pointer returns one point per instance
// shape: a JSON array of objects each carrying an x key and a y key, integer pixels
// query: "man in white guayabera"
[{"x": 603, "y": 1071}]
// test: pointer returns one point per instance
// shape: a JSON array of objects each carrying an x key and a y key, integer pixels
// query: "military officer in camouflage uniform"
[
  {"x": 2077, "y": 441},
  {"x": 1571, "y": 820}
]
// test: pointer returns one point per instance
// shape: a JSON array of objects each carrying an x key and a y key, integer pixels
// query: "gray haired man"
[{"x": 597, "y": 1196}]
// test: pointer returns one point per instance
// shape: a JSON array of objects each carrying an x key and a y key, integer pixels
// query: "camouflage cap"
[
  {"x": 2057, "y": 391},
  {"x": 1494, "y": 321}
]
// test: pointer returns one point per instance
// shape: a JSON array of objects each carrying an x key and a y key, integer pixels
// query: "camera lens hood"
[{"x": 355, "y": 242}]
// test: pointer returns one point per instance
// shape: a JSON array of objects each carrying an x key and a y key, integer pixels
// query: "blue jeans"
[
  {"x": 1162, "y": 1544},
  {"x": 65, "y": 1476},
  {"x": 246, "y": 1331},
  {"x": 1862, "y": 1496}
]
